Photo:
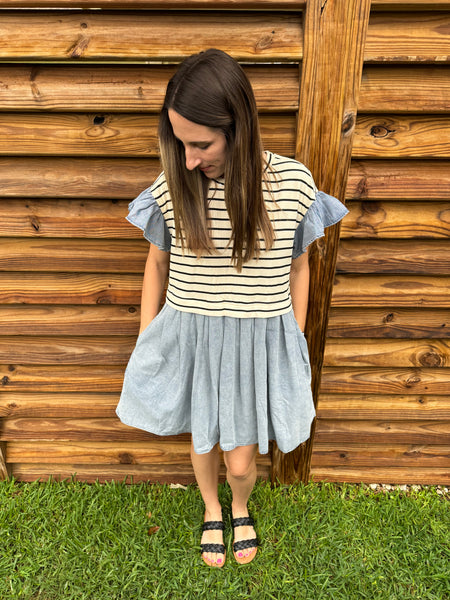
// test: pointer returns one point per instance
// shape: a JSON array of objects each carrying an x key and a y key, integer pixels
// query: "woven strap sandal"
[
  {"x": 213, "y": 548},
  {"x": 238, "y": 547}
]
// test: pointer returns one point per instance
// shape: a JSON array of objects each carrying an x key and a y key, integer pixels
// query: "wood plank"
[
  {"x": 41, "y": 405},
  {"x": 407, "y": 37},
  {"x": 108, "y": 453},
  {"x": 410, "y": 4},
  {"x": 388, "y": 323},
  {"x": 66, "y": 219},
  {"x": 76, "y": 350},
  {"x": 118, "y": 88},
  {"x": 390, "y": 290},
  {"x": 334, "y": 37},
  {"x": 387, "y": 407},
  {"x": 420, "y": 456},
  {"x": 372, "y": 380},
  {"x": 160, "y": 4},
  {"x": 59, "y": 177},
  {"x": 5, "y": 468},
  {"x": 64, "y": 429},
  {"x": 115, "y": 135},
  {"x": 91, "y": 256},
  {"x": 402, "y": 89},
  {"x": 60, "y": 378},
  {"x": 395, "y": 220},
  {"x": 383, "y": 432},
  {"x": 392, "y": 475},
  {"x": 430, "y": 257},
  {"x": 69, "y": 320},
  {"x": 69, "y": 288},
  {"x": 399, "y": 179},
  {"x": 167, "y": 35},
  {"x": 385, "y": 353},
  {"x": 382, "y": 136}
]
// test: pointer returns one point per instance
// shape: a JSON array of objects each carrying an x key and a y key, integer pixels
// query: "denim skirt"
[{"x": 232, "y": 381}]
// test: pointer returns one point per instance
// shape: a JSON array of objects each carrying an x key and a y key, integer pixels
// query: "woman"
[{"x": 225, "y": 359}]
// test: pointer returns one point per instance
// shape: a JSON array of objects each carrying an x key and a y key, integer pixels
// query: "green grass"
[{"x": 105, "y": 542}]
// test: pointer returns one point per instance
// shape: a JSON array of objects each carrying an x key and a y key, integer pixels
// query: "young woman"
[{"x": 225, "y": 358}]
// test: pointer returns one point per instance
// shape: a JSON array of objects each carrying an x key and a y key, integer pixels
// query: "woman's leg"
[
  {"x": 206, "y": 469},
  {"x": 241, "y": 476}
]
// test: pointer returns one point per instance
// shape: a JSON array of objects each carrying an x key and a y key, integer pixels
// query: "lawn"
[{"x": 71, "y": 540}]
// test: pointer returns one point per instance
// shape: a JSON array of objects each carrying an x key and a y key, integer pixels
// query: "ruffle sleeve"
[
  {"x": 145, "y": 213},
  {"x": 323, "y": 212}
]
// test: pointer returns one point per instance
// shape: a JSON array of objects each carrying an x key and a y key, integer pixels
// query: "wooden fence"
[{"x": 360, "y": 93}]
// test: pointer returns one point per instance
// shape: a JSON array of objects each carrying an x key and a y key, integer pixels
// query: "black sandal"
[
  {"x": 216, "y": 548},
  {"x": 244, "y": 544}
]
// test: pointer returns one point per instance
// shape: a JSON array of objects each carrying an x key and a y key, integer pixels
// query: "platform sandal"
[
  {"x": 215, "y": 548},
  {"x": 241, "y": 545}
]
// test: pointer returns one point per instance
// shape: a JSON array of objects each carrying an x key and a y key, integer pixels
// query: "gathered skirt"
[{"x": 232, "y": 381}]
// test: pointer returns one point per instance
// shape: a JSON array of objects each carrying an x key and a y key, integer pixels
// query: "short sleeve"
[
  {"x": 145, "y": 213},
  {"x": 323, "y": 212}
]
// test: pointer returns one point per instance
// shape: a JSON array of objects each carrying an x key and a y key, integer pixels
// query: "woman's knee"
[{"x": 241, "y": 462}]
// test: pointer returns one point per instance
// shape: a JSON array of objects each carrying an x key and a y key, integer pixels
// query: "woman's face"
[{"x": 205, "y": 147}]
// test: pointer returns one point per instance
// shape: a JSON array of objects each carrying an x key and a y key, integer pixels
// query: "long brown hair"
[{"x": 211, "y": 89}]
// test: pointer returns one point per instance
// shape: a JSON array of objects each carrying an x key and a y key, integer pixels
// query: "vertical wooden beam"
[
  {"x": 4, "y": 470},
  {"x": 333, "y": 48}
]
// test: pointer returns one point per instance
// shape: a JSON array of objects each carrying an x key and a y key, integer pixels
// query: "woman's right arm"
[{"x": 155, "y": 275}]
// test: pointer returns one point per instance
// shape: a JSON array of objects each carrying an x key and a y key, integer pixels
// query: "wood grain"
[
  {"x": 372, "y": 380},
  {"x": 114, "y": 135},
  {"x": 388, "y": 407},
  {"x": 390, "y": 290},
  {"x": 395, "y": 220},
  {"x": 399, "y": 179},
  {"x": 383, "y": 136},
  {"x": 169, "y": 36},
  {"x": 384, "y": 474},
  {"x": 131, "y": 88},
  {"x": 386, "y": 353},
  {"x": 59, "y": 177},
  {"x": 420, "y": 456},
  {"x": 389, "y": 323},
  {"x": 160, "y": 4},
  {"x": 40, "y": 404},
  {"x": 430, "y": 257},
  {"x": 69, "y": 288},
  {"x": 103, "y": 319}
]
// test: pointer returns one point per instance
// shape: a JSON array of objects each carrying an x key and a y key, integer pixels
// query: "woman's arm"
[
  {"x": 299, "y": 281},
  {"x": 155, "y": 275}
]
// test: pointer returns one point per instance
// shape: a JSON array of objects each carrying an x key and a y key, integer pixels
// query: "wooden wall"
[{"x": 79, "y": 97}]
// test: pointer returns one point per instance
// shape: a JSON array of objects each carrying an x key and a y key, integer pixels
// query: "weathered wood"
[
  {"x": 76, "y": 350},
  {"x": 402, "y": 179},
  {"x": 67, "y": 430},
  {"x": 383, "y": 136},
  {"x": 125, "y": 89},
  {"x": 334, "y": 35},
  {"x": 59, "y": 177},
  {"x": 396, "y": 475},
  {"x": 404, "y": 89},
  {"x": 386, "y": 407},
  {"x": 423, "y": 38},
  {"x": 410, "y": 4},
  {"x": 69, "y": 288},
  {"x": 387, "y": 353},
  {"x": 160, "y": 4},
  {"x": 389, "y": 323},
  {"x": 396, "y": 220},
  {"x": 430, "y": 257},
  {"x": 110, "y": 134},
  {"x": 168, "y": 36},
  {"x": 104, "y": 256},
  {"x": 372, "y": 380},
  {"x": 39, "y": 404},
  {"x": 69, "y": 320},
  {"x": 66, "y": 219},
  {"x": 384, "y": 432},
  {"x": 60, "y": 378},
  {"x": 5, "y": 467},
  {"x": 420, "y": 456},
  {"x": 390, "y": 290}
]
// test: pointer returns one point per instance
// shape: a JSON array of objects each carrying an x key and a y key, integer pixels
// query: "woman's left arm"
[{"x": 299, "y": 282}]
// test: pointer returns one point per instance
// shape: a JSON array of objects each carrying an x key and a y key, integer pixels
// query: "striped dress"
[{"x": 225, "y": 359}]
